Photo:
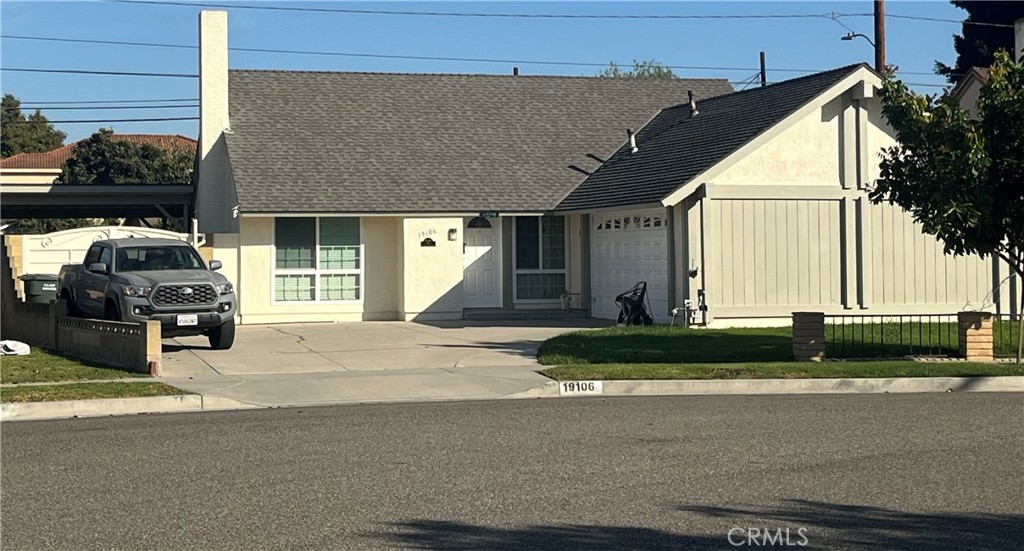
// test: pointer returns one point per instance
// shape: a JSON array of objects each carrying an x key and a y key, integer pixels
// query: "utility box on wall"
[{"x": 431, "y": 286}]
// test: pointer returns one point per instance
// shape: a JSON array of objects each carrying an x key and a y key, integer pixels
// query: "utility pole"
[
  {"x": 880, "y": 36},
  {"x": 764, "y": 74}
]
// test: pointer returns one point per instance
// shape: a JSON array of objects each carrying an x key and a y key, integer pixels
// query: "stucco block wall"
[
  {"x": 431, "y": 281},
  {"x": 380, "y": 272}
]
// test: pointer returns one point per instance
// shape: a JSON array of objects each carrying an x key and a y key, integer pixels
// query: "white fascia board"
[
  {"x": 620, "y": 208},
  {"x": 862, "y": 75}
]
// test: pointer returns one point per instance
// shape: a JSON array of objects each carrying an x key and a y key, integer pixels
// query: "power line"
[
  {"x": 97, "y": 41},
  {"x": 72, "y": 108},
  {"x": 832, "y": 15},
  {"x": 84, "y": 72},
  {"x": 416, "y": 57},
  {"x": 32, "y": 103},
  {"x": 106, "y": 120},
  {"x": 931, "y": 19},
  {"x": 466, "y": 14}
]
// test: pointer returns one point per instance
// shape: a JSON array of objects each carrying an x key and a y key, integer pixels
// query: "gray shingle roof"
[
  {"x": 674, "y": 147},
  {"x": 371, "y": 142}
]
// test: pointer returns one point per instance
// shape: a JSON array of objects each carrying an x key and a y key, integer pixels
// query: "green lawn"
[
  {"x": 779, "y": 370},
  {"x": 85, "y": 391},
  {"x": 666, "y": 352},
  {"x": 668, "y": 344},
  {"x": 41, "y": 367}
]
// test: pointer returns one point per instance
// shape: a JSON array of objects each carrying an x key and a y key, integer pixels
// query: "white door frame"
[{"x": 496, "y": 252}]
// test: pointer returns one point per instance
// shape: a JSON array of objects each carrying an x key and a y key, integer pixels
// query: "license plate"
[{"x": 188, "y": 319}]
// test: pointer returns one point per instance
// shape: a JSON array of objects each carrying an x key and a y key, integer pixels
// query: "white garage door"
[{"x": 626, "y": 248}]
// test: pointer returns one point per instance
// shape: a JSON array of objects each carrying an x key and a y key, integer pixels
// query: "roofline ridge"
[
  {"x": 488, "y": 75},
  {"x": 844, "y": 69}
]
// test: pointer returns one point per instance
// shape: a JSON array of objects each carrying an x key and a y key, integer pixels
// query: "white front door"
[{"x": 481, "y": 282}]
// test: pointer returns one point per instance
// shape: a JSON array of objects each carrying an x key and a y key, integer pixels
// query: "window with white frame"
[
  {"x": 317, "y": 260},
  {"x": 540, "y": 258}
]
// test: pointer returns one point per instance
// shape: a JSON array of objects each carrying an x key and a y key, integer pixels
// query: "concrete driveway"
[{"x": 302, "y": 364}]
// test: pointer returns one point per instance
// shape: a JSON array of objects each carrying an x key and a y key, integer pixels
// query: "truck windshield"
[{"x": 164, "y": 257}]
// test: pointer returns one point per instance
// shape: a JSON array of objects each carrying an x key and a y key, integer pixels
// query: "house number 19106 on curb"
[{"x": 580, "y": 388}]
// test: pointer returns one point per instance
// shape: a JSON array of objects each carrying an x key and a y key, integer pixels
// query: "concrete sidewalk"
[{"x": 306, "y": 364}]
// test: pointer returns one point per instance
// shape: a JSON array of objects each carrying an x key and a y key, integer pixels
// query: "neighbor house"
[
  {"x": 44, "y": 167},
  {"x": 368, "y": 196}
]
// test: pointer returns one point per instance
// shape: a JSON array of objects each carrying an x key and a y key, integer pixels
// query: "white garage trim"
[{"x": 627, "y": 247}]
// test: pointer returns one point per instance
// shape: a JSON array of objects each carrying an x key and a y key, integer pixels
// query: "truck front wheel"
[
  {"x": 111, "y": 312},
  {"x": 223, "y": 337}
]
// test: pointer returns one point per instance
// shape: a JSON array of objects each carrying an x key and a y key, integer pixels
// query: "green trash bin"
[{"x": 40, "y": 288}]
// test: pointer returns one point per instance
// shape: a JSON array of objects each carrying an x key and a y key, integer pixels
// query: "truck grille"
[{"x": 177, "y": 295}]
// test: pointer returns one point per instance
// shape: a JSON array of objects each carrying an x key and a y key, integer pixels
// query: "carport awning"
[{"x": 95, "y": 201}]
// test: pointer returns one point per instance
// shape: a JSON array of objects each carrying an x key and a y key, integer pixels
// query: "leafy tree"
[
  {"x": 21, "y": 133},
  {"x": 962, "y": 179},
  {"x": 977, "y": 45},
  {"x": 102, "y": 158},
  {"x": 641, "y": 69}
]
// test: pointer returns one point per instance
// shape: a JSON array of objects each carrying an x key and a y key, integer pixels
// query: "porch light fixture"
[{"x": 453, "y": 234}]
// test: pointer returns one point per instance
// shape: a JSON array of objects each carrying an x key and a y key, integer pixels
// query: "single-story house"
[
  {"x": 367, "y": 196},
  {"x": 44, "y": 167}
]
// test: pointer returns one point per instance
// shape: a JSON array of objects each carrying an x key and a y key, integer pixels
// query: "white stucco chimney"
[{"x": 214, "y": 194}]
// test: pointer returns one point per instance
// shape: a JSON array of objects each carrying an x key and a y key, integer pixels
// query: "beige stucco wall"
[
  {"x": 40, "y": 176},
  {"x": 431, "y": 277},
  {"x": 380, "y": 273},
  {"x": 806, "y": 153}
]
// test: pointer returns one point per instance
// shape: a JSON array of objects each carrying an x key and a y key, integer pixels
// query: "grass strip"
[
  {"x": 85, "y": 391},
  {"x": 41, "y": 366},
  {"x": 779, "y": 370},
  {"x": 668, "y": 345}
]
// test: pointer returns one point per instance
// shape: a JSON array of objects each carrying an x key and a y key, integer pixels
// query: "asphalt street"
[{"x": 930, "y": 471}]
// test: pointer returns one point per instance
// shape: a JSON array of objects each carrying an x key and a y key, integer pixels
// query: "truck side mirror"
[
  {"x": 215, "y": 265},
  {"x": 98, "y": 267}
]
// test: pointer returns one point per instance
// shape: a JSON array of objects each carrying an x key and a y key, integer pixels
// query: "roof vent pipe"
[
  {"x": 632, "y": 140},
  {"x": 515, "y": 71},
  {"x": 693, "y": 104}
]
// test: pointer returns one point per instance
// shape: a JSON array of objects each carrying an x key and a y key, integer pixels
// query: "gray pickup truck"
[{"x": 152, "y": 279}]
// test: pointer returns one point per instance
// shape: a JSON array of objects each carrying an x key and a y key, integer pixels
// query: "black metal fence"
[
  {"x": 891, "y": 336},
  {"x": 1005, "y": 334}
]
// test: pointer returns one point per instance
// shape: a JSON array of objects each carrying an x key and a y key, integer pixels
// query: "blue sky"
[{"x": 807, "y": 44}]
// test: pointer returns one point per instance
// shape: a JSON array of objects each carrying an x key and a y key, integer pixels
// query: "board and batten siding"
[
  {"x": 909, "y": 267},
  {"x": 776, "y": 252}
]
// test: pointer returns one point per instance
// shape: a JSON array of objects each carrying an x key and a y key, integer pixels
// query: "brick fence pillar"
[
  {"x": 808, "y": 336},
  {"x": 975, "y": 336}
]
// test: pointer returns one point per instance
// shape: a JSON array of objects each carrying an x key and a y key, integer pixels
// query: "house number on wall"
[{"x": 427, "y": 233}]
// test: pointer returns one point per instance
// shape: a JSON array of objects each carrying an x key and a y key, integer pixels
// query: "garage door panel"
[{"x": 627, "y": 248}]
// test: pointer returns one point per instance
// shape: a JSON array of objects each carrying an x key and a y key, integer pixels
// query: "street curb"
[
  {"x": 30, "y": 411},
  {"x": 33, "y": 411},
  {"x": 789, "y": 386}
]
